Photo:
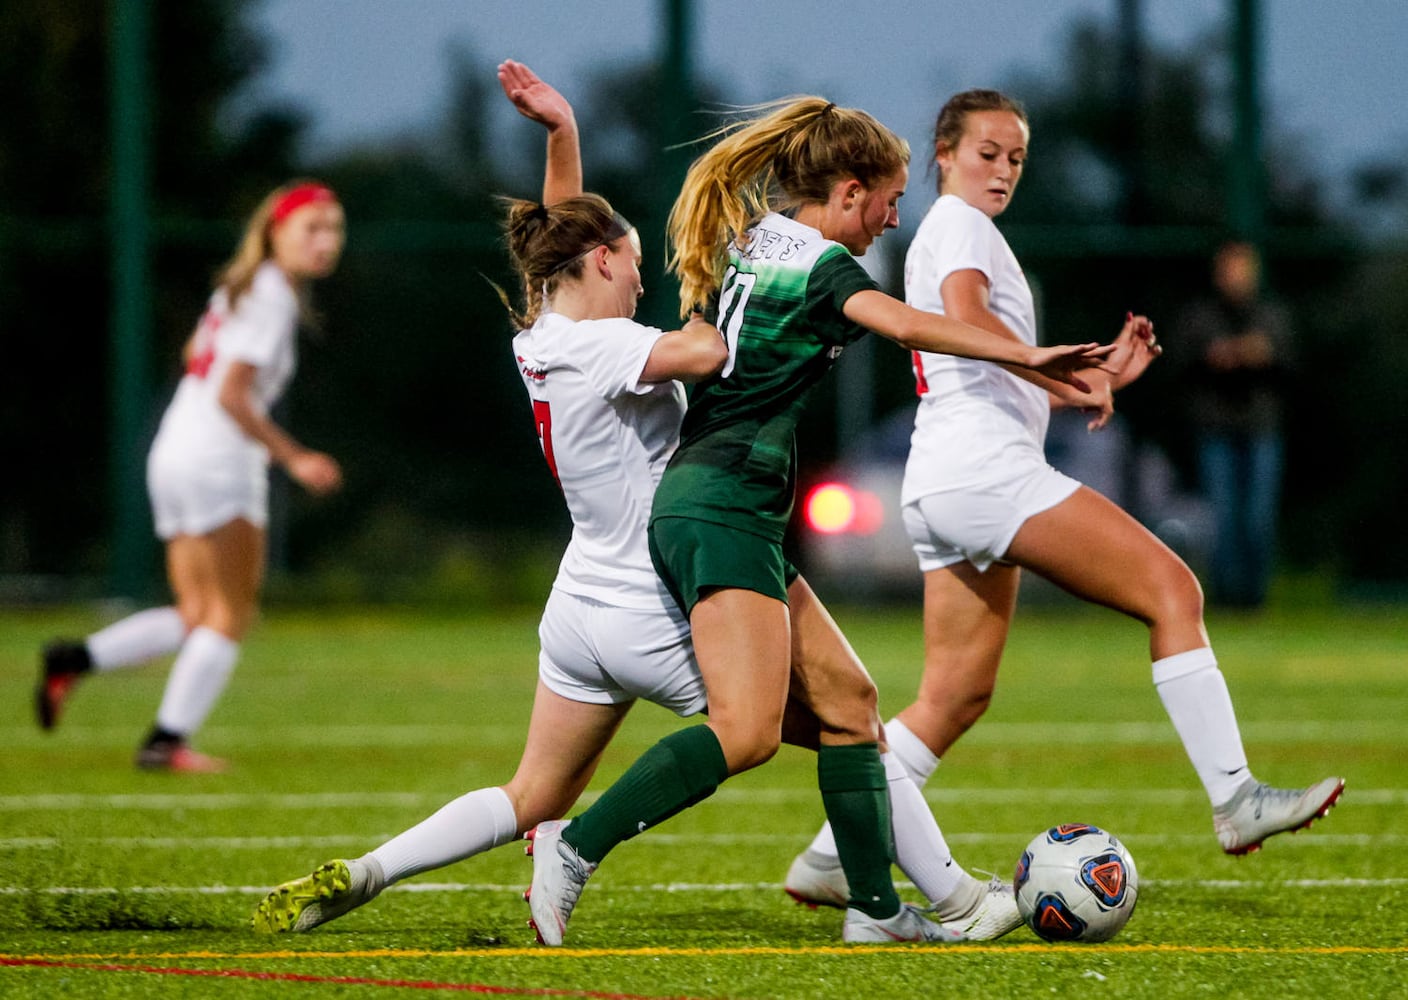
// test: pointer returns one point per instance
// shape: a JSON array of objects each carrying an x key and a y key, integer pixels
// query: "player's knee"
[
  {"x": 747, "y": 746},
  {"x": 192, "y": 612},
  {"x": 232, "y": 622},
  {"x": 756, "y": 754},
  {"x": 1179, "y": 596},
  {"x": 858, "y": 703}
]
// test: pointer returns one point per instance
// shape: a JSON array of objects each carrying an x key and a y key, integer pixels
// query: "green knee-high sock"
[
  {"x": 852, "y": 782},
  {"x": 682, "y": 769}
]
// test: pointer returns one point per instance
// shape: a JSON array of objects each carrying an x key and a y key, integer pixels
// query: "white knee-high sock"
[
  {"x": 473, "y": 823},
  {"x": 919, "y": 763},
  {"x": 136, "y": 639},
  {"x": 1195, "y": 696},
  {"x": 920, "y": 848},
  {"x": 918, "y": 760},
  {"x": 198, "y": 676}
]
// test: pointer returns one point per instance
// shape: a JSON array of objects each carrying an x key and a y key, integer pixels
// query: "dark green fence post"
[{"x": 129, "y": 249}]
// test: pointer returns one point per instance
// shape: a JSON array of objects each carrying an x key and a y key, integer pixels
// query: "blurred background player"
[
  {"x": 789, "y": 297},
  {"x": 980, "y": 501},
  {"x": 207, "y": 476},
  {"x": 1234, "y": 353},
  {"x": 607, "y": 400}
]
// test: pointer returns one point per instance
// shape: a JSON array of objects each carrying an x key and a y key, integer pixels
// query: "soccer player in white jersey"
[
  {"x": 980, "y": 501},
  {"x": 607, "y": 399},
  {"x": 769, "y": 221},
  {"x": 207, "y": 474}
]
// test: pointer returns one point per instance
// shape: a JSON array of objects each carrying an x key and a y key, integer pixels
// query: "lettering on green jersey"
[{"x": 769, "y": 245}]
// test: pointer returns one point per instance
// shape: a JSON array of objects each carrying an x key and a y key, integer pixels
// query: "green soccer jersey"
[{"x": 780, "y": 311}]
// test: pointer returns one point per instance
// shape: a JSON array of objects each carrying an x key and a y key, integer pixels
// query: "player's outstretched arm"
[
  {"x": 918, "y": 330},
  {"x": 540, "y": 102}
]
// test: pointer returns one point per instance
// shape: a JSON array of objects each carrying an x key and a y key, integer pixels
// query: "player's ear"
[
  {"x": 601, "y": 259},
  {"x": 848, "y": 191}
]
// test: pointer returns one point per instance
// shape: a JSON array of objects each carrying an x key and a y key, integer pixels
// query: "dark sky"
[{"x": 1335, "y": 81}]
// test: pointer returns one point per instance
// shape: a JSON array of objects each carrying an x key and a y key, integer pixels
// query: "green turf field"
[{"x": 345, "y": 728}]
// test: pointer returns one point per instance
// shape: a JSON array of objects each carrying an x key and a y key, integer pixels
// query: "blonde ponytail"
[{"x": 792, "y": 154}]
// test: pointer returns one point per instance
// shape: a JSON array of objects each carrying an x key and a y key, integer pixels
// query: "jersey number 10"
[{"x": 733, "y": 299}]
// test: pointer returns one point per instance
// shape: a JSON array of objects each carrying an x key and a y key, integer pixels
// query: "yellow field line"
[{"x": 661, "y": 952}]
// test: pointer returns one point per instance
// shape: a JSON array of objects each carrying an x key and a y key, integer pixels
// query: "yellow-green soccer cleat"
[{"x": 306, "y": 902}]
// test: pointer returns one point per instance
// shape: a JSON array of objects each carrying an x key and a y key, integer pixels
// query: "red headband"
[{"x": 304, "y": 194}]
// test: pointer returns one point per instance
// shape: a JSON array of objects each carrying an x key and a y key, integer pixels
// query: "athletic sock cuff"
[
  {"x": 680, "y": 770},
  {"x": 855, "y": 767},
  {"x": 1171, "y": 668},
  {"x": 912, "y": 752},
  {"x": 699, "y": 758}
]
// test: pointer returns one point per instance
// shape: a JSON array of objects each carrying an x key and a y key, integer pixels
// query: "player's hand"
[
  {"x": 1064, "y": 362},
  {"x": 316, "y": 472},
  {"x": 533, "y": 98},
  {"x": 1100, "y": 404},
  {"x": 1135, "y": 349}
]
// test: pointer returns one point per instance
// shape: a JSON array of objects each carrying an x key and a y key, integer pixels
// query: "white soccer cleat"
[
  {"x": 1257, "y": 811},
  {"x": 994, "y": 915},
  {"x": 909, "y": 924},
  {"x": 559, "y": 875},
  {"x": 334, "y": 889},
  {"x": 817, "y": 880}
]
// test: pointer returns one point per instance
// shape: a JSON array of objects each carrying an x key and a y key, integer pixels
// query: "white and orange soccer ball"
[{"x": 1075, "y": 882}]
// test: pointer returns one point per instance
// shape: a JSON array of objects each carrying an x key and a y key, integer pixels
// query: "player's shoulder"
[
  {"x": 558, "y": 340},
  {"x": 617, "y": 326},
  {"x": 951, "y": 213},
  {"x": 271, "y": 285}
]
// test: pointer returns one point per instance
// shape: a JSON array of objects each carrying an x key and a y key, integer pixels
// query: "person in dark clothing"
[{"x": 1236, "y": 349}]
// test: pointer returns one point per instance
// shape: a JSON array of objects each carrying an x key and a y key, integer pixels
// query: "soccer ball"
[{"x": 1075, "y": 882}]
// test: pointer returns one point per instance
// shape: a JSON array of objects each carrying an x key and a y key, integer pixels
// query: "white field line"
[
  {"x": 1310, "y": 839},
  {"x": 1347, "y": 732},
  {"x": 304, "y": 802},
  {"x": 232, "y": 737},
  {"x": 1258, "y": 885}
]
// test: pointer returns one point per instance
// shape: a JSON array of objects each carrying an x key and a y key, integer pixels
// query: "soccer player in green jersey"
[{"x": 765, "y": 232}]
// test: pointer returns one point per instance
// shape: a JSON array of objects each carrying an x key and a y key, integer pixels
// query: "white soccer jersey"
[
  {"x": 606, "y": 437},
  {"x": 260, "y": 331},
  {"x": 973, "y": 416}
]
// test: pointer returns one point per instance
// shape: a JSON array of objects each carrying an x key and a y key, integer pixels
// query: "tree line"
[{"x": 411, "y": 383}]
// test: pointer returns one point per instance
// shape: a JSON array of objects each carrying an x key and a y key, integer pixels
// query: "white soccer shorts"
[
  {"x": 195, "y": 498},
  {"x": 602, "y": 654},
  {"x": 979, "y": 523}
]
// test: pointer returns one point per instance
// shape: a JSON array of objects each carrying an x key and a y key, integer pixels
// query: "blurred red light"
[
  {"x": 830, "y": 508},
  {"x": 835, "y": 509}
]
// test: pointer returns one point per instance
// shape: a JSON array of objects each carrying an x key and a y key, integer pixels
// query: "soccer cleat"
[
  {"x": 817, "y": 880},
  {"x": 178, "y": 757},
  {"x": 909, "y": 924},
  {"x": 559, "y": 874},
  {"x": 1257, "y": 811},
  {"x": 64, "y": 663},
  {"x": 336, "y": 888},
  {"x": 994, "y": 915}
]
